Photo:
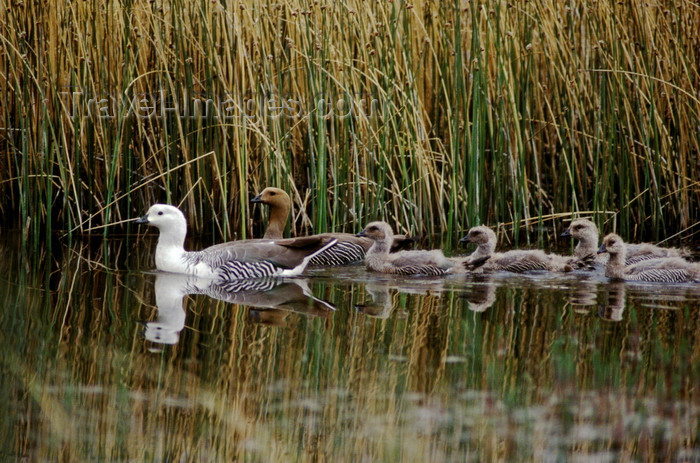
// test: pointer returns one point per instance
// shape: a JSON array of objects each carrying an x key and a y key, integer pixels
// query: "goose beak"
[
  {"x": 602, "y": 249},
  {"x": 257, "y": 199},
  {"x": 566, "y": 233},
  {"x": 143, "y": 219},
  {"x": 362, "y": 233},
  {"x": 465, "y": 240}
]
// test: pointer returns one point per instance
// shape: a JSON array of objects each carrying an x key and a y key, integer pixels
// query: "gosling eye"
[
  {"x": 577, "y": 227},
  {"x": 272, "y": 193},
  {"x": 160, "y": 212}
]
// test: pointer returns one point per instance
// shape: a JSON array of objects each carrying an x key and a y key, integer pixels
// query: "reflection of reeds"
[
  {"x": 490, "y": 112},
  {"x": 525, "y": 379}
]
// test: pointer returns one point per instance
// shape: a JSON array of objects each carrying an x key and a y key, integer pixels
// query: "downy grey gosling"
[
  {"x": 379, "y": 259},
  {"x": 663, "y": 270},
  {"x": 517, "y": 261}
]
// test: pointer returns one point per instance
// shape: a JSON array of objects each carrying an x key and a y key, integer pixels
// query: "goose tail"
[{"x": 302, "y": 266}]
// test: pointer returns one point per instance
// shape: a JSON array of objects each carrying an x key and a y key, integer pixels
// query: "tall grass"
[{"x": 474, "y": 112}]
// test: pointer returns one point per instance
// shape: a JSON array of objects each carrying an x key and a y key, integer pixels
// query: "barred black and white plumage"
[
  {"x": 429, "y": 270},
  {"x": 379, "y": 258},
  {"x": 235, "y": 260},
  {"x": 662, "y": 270},
  {"x": 343, "y": 253}
]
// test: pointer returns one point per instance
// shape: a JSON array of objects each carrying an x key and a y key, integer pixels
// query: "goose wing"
[
  {"x": 286, "y": 253},
  {"x": 420, "y": 262},
  {"x": 522, "y": 261}
]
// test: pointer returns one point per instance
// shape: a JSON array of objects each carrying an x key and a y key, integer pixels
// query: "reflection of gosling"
[
  {"x": 481, "y": 297},
  {"x": 664, "y": 270},
  {"x": 381, "y": 304},
  {"x": 517, "y": 261},
  {"x": 586, "y": 233},
  {"x": 615, "y": 304},
  {"x": 379, "y": 259}
]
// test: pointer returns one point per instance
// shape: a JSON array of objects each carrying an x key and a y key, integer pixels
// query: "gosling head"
[
  {"x": 164, "y": 217},
  {"x": 273, "y": 197},
  {"x": 612, "y": 244},
  {"x": 481, "y": 236},
  {"x": 582, "y": 229},
  {"x": 377, "y": 231}
]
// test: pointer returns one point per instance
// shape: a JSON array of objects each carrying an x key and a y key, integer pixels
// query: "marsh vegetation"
[{"x": 435, "y": 116}]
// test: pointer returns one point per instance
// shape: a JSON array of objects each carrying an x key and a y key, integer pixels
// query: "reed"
[{"x": 433, "y": 116}]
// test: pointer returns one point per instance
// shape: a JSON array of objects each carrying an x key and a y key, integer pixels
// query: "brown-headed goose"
[
  {"x": 517, "y": 261},
  {"x": 664, "y": 270},
  {"x": 350, "y": 248},
  {"x": 380, "y": 259},
  {"x": 587, "y": 234},
  {"x": 232, "y": 260}
]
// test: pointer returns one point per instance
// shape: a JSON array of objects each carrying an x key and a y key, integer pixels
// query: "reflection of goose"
[
  {"x": 350, "y": 248},
  {"x": 228, "y": 261},
  {"x": 170, "y": 291},
  {"x": 663, "y": 270},
  {"x": 615, "y": 302},
  {"x": 517, "y": 261},
  {"x": 282, "y": 296},
  {"x": 379, "y": 259}
]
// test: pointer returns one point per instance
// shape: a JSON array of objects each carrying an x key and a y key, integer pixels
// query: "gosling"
[
  {"x": 517, "y": 261},
  {"x": 379, "y": 259},
  {"x": 586, "y": 233},
  {"x": 662, "y": 270}
]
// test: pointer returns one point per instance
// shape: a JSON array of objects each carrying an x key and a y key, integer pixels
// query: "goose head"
[
  {"x": 613, "y": 245},
  {"x": 273, "y": 197},
  {"x": 169, "y": 220},
  {"x": 163, "y": 216},
  {"x": 280, "y": 204},
  {"x": 483, "y": 237}
]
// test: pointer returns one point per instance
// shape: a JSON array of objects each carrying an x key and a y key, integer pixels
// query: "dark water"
[{"x": 106, "y": 361}]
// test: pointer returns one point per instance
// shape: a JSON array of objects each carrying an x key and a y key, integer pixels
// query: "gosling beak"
[
  {"x": 465, "y": 240},
  {"x": 602, "y": 249},
  {"x": 143, "y": 219},
  {"x": 362, "y": 233},
  {"x": 257, "y": 199},
  {"x": 566, "y": 233}
]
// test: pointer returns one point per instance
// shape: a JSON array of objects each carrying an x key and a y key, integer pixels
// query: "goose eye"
[{"x": 160, "y": 212}]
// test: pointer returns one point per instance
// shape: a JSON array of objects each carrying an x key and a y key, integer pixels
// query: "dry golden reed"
[{"x": 434, "y": 116}]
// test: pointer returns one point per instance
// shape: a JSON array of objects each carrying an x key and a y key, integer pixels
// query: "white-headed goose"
[
  {"x": 380, "y": 259},
  {"x": 664, "y": 270},
  {"x": 517, "y": 261},
  {"x": 350, "y": 248},
  {"x": 228, "y": 261}
]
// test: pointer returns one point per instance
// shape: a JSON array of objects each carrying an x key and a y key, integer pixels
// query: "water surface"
[{"x": 106, "y": 360}]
